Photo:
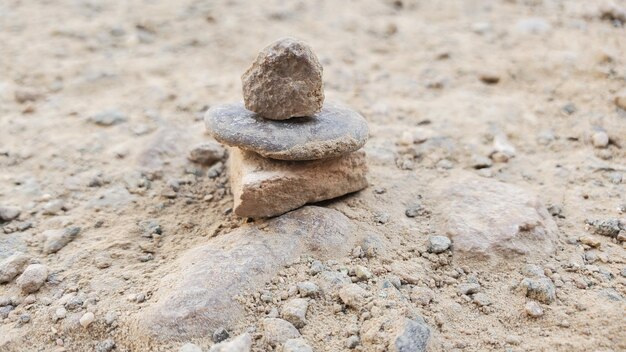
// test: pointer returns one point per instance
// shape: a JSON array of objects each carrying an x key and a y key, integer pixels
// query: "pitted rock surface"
[
  {"x": 198, "y": 296},
  {"x": 284, "y": 81},
  {"x": 334, "y": 131}
]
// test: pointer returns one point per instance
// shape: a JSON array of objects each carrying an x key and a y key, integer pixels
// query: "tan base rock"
[{"x": 266, "y": 187}]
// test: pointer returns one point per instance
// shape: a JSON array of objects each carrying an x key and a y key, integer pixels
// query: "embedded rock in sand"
[
  {"x": 412, "y": 336},
  {"x": 12, "y": 266},
  {"x": 199, "y": 296},
  {"x": 334, "y": 131},
  {"x": 284, "y": 81},
  {"x": 488, "y": 219},
  {"x": 263, "y": 187}
]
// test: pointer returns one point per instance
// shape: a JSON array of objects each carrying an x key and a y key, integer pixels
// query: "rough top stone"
[
  {"x": 284, "y": 81},
  {"x": 334, "y": 131}
]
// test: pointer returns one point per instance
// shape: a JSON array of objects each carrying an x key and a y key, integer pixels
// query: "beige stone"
[
  {"x": 492, "y": 221},
  {"x": 264, "y": 187}
]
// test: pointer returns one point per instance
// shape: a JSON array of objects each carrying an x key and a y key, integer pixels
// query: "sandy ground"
[{"x": 428, "y": 67}]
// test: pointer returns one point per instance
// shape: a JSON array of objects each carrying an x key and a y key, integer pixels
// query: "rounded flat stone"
[{"x": 332, "y": 132}]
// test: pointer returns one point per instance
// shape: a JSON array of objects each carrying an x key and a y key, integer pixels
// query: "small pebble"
[
  {"x": 481, "y": 162},
  {"x": 468, "y": 288},
  {"x": 24, "y": 318},
  {"x": 600, "y": 139},
  {"x": 220, "y": 334},
  {"x": 362, "y": 273},
  {"x": 294, "y": 311},
  {"x": 60, "y": 313},
  {"x": 190, "y": 347},
  {"x": 54, "y": 207},
  {"x": 569, "y": 108},
  {"x": 307, "y": 289},
  {"x": 481, "y": 299},
  {"x": 316, "y": 267},
  {"x": 533, "y": 309},
  {"x": 241, "y": 343},
  {"x": 513, "y": 340},
  {"x": 352, "y": 342},
  {"x": 109, "y": 118},
  {"x": 353, "y": 295},
  {"x": 415, "y": 209},
  {"x": 207, "y": 153},
  {"x": 438, "y": 244},
  {"x": 105, "y": 346},
  {"x": 590, "y": 241},
  {"x": 297, "y": 345},
  {"x": 8, "y": 213},
  {"x": 33, "y": 278},
  {"x": 87, "y": 319}
]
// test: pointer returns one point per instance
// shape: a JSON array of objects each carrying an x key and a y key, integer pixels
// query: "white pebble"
[
  {"x": 600, "y": 139},
  {"x": 60, "y": 313},
  {"x": 87, "y": 319},
  {"x": 533, "y": 309}
]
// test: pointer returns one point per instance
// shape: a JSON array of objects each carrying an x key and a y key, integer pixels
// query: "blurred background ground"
[{"x": 101, "y": 100}]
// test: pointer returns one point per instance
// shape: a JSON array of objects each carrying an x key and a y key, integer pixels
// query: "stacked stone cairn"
[{"x": 288, "y": 147}]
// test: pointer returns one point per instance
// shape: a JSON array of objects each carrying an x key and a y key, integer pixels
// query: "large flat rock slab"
[
  {"x": 199, "y": 294},
  {"x": 264, "y": 187},
  {"x": 332, "y": 132},
  {"x": 487, "y": 219}
]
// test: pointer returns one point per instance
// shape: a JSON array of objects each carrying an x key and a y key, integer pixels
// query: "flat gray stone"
[
  {"x": 334, "y": 131},
  {"x": 199, "y": 293}
]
